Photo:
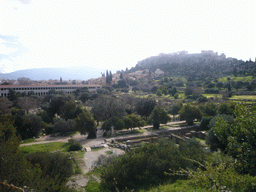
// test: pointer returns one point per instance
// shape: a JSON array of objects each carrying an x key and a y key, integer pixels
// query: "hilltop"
[{"x": 178, "y": 69}]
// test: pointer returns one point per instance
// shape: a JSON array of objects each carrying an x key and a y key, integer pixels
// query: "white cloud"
[
  {"x": 5, "y": 50},
  {"x": 117, "y": 34}
]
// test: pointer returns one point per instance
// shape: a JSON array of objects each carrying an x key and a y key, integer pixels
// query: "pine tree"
[{"x": 110, "y": 77}]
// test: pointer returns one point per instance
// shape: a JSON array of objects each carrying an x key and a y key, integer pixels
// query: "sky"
[{"x": 117, "y": 34}]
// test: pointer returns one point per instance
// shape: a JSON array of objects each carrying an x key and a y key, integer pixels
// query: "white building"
[{"x": 44, "y": 89}]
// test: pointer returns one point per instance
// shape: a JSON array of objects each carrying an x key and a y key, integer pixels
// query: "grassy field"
[
  {"x": 77, "y": 156},
  {"x": 245, "y": 78},
  {"x": 212, "y": 95},
  {"x": 243, "y": 97},
  {"x": 47, "y": 147},
  {"x": 243, "y": 102}
]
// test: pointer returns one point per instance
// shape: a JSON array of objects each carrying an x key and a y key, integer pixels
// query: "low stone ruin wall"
[{"x": 180, "y": 131}]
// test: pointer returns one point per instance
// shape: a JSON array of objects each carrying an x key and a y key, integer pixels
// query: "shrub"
[
  {"x": 75, "y": 147},
  {"x": 52, "y": 164},
  {"x": 202, "y": 99},
  {"x": 211, "y": 85},
  {"x": 159, "y": 92},
  {"x": 189, "y": 91},
  {"x": 209, "y": 109},
  {"x": 125, "y": 90},
  {"x": 227, "y": 108},
  {"x": 211, "y": 91},
  {"x": 146, "y": 165},
  {"x": 49, "y": 129},
  {"x": 239, "y": 138},
  {"x": 204, "y": 123},
  {"x": 219, "y": 174},
  {"x": 215, "y": 140},
  {"x": 176, "y": 96}
]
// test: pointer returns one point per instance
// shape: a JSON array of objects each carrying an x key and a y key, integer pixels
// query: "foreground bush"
[
  {"x": 45, "y": 172},
  {"x": 213, "y": 140},
  {"x": 239, "y": 138},
  {"x": 53, "y": 164},
  {"x": 219, "y": 174},
  {"x": 147, "y": 164}
]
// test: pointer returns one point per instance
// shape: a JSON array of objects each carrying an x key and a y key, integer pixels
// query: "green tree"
[
  {"x": 32, "y": 125},
  {"x": 219, "y": 85},
  {"x": 173, "y": 91},
  {"x": 227, "y": 108},
  {"x": 131, "y": 121},
  {"x": 190, "y": 113},
  {"x": 63, "y": 126},
  {"x": 159, "y": 93},
  {"x": 218, "y": 141},
  {"x": 71, "y": 110},
  {"x": 209, "y": 109},
  {"x": 238, "y": 85},
  {"x": 86, "y": 124},
  {"x": 144, "y": 107},
  {"x": 5, "y": 105},
  {"x": 118, "y": 123},
  {"x": 189, "y": 91},
  {"x": 56, "y": 105},
  {"x": 228, "y": 86},
  {"x": 121, "y": 76},
  {"x": 239, "y": 138},
  {"x": 14, "y": 169},
  {"x": 122, "y": 83},
  {"x": 23, "y": 81},
  {"x": 105, "y": 108},
  {"x": 84, "y": 97},
  {"x": 159, "y": 116},
  {"x": 12, "y": 96},
  {"x": 26, "y": 103},
  {"x": 45, "y": 116},
  {"x": 110, "y": 76},
  {"x": 175, "y": 109},
  {"x": 211, "y": 85}
]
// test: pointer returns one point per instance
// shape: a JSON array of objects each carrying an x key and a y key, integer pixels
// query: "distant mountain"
[{"x": 77, "y": 73}]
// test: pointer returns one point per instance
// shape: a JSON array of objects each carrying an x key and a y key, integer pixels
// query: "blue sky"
[{"x": 117, "y": 34}]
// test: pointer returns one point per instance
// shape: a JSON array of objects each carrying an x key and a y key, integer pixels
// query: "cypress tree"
[{"x": 107, "y": 77}]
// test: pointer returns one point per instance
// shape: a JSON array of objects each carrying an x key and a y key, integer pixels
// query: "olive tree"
[
  {"x": 190, "y": 113},
  {"x": 86, "y": 124},
  {"x": 108, "y": 107}
]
